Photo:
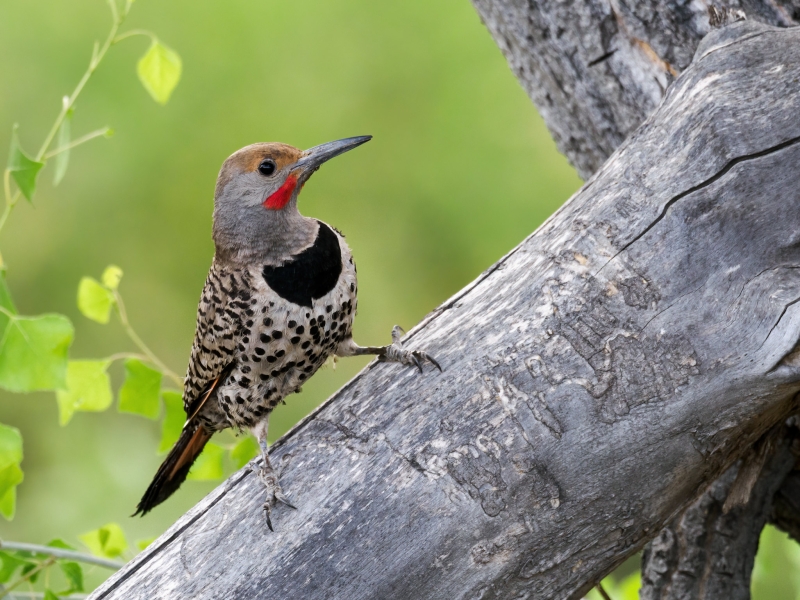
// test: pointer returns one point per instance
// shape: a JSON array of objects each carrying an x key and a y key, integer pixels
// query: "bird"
[{"x": 280, "y": 298}]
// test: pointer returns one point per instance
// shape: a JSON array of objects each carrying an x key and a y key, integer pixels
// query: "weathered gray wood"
[
  {"x": 596, "y": 378},
  {"x": 596, "y": 69},
  {"x": 708, "y": 552}
]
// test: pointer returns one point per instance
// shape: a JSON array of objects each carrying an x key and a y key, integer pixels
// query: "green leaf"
[
  {"x": 71, "y": 569},
  {"x": 208, "y": 465},
  {"x": 10, "y": 472},
  {"x": 74, "y": 575},
  {"x": 88, "y": 389},
  {"x": 27, "y": 569},
  {"x": 48, "y": 595},
  {"x": 8, "y": 503},
  {"x": 5, "y": 294},
  {"x": 23, "y": 168},
  {"x": 63, "y": 139},
  {"x": 10, "y": 446},
  {"x": 159, "y": 71},
  {"x": 5, "y": 302},
  {"x": 111, "y": 277},
  {"x": 142, "y": 544},
  {"x": 139, "y": 392},
  {"x": 95, "y": 300},
  {"x": 10, "y": 563},
  {"x": 59, "y": 543},
  {"x": 246, "y": 449},
  {"x": 33, "y": 353},
  {"x": 173, "y": 421},
  {"x": 10, "y": 477},
  {"x": 108, "y": 541}
]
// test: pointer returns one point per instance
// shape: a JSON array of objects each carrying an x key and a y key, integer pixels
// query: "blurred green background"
[{"x": 460, "y": 169}]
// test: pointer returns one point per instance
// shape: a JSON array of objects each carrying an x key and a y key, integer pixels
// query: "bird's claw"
[
  {"x": 424, "y": 356},
  {"x": 274, "y": 494},
  {"x": 396, "y": 353}
]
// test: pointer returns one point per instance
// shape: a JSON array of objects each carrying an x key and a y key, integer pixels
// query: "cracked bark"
[
  {"x": 576, "y": 417},
  {"x": 595, "y": 69},
  {"x": 642, "y": 43}
]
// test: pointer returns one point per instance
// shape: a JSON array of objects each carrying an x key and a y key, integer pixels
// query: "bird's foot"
[
  {"x": 274, "y": 493},
  {"x": 396, "y": 353}
]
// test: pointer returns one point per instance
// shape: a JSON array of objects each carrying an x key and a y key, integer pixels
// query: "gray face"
[
  {"x": 252, "y": 188},
  {"x": 255, "y": 202},
  {"x": 253, "y": 173}
]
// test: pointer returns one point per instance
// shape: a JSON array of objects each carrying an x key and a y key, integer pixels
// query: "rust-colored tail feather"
[{"x": 173, "y": 471}]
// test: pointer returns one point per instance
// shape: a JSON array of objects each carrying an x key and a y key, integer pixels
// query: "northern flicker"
[{"x": 279, "y": 299}]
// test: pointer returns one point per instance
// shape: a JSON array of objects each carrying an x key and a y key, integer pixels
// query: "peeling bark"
[{"x": 620, "y": 359}]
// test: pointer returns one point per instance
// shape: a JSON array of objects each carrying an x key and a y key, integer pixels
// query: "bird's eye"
[{"x": 267, "y": 167}]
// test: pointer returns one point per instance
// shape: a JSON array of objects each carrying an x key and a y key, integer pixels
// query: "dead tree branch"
[
  {"x": 590, "y": 104},
  {"x": 620, "y": 359},
  {"x": 596, "y": 69}
]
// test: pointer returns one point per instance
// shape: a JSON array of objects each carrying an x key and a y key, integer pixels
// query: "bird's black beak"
[{"x": 314, "y": 157}]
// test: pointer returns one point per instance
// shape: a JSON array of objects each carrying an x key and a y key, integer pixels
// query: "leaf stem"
[
  {"x": 10, "y": 200},
  {"x": 48, "y": 563},
  {"x": 69, "y": 101},
  {"x": 124, "y": 355},
  {"x": 62, "y": 553},
  {"x": 112, "y": 4},
  {"x": 97, "y": 57},
  {"x": 133, "y": 32},
  {"x": 77, "y": 142},
  {"x": 123, "y": 317},
  {"x": 7, "y": 184}
]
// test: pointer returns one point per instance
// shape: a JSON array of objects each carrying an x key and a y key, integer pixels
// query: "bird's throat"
[{"x": 281, "y": 197}]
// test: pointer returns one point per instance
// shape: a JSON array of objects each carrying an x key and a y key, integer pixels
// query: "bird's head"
[{"x": 255, "y": 202}]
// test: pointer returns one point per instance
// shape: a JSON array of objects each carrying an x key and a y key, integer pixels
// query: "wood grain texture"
[
  {"x": 596, "y": 378},
  {"x": 596, "y": 69}
]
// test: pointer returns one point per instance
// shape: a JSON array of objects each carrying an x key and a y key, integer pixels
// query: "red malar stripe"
[{"x": 281, "y": 197}]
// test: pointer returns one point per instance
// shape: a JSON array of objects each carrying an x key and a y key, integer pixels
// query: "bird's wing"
[{"x": 222, "y": 303}]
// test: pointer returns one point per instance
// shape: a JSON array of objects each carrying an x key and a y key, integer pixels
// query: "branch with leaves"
[
  {"x": 34, "y": 350},
  {"x": 29, "y": 564}
]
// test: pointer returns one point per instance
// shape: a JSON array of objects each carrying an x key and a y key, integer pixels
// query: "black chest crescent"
[{"x": 310, "y": 274}]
